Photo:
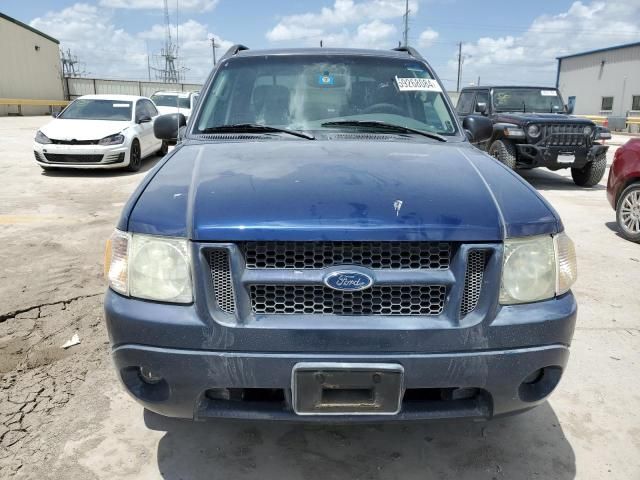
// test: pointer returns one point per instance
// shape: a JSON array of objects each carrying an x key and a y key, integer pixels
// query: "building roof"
[
  {"x": 599, "y": 50},
  {"x": 28, "y": 27}
]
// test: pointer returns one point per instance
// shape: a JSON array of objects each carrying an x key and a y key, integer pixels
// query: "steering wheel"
[{"x": 383, "y": 108}]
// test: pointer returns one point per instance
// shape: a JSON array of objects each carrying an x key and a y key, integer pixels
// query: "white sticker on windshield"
[
  {"x": 548, "y": 93},
  {"x": 120, "y": 105},
  {"x": 417, "y": 84}
]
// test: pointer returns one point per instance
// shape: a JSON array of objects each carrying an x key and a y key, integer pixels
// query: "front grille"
[
  {"x": 476, "y": 262},
  {"x": 74, "y": 142},
  {"x": 318, "y": 299},
  {"x": 377, "y": 255},
  {"x": 563, "y": 135},
  {"x": 72, "y": 158},
  {"x": 222, "y": 281}
]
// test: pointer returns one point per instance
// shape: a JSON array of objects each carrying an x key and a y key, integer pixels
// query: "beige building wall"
[
  {"x": 611, "y": 73},
  {"x": 29, "y": 68}
]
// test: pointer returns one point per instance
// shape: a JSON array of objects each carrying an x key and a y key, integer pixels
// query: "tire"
[
  {"x": 628, "y": 213},
  {"x": 505, "y": 152},
  {"x": 591, "y": 173},
  {"x": 135, "y": 157},
  {"x": 163, "y": 149}
]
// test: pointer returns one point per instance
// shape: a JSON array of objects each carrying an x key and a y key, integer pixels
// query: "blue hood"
[{"x": 336, "y": 190}]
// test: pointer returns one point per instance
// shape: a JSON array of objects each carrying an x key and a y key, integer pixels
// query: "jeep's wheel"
[
  {"x": 505, "y": 152},
  {"x": 628, "y": 213},
  {"x": 591, "y": 173}
]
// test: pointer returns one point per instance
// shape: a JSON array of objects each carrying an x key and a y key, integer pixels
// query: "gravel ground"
[{"x": 64, "y": 415}]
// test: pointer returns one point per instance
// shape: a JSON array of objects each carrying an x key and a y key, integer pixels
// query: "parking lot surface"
[{"x": 63, "y": 413}]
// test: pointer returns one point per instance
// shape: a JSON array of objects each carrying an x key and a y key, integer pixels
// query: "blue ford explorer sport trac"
[{"x": 325, "y": 244}]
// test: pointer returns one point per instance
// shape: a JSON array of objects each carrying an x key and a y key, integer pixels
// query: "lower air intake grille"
[
  {"x": 222, "y": 284},
  {"x": 72, "y": 158},
  {"x": 318, "y": 299},
  {"x": 473, "y": 280}
]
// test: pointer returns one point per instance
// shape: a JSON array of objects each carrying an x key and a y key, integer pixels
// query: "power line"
[{"x": 459, "y": 65}]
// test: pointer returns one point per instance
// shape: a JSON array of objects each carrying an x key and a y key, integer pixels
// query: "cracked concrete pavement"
[{"x": 63, "y": 413}]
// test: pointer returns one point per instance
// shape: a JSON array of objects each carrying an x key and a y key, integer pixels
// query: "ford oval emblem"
[{"x": 348, "y": 281}]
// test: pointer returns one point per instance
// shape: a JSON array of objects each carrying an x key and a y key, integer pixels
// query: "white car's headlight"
[
  {"x": 116, "y": 139},
  {"x": 537, "y": 268},
  {"x": 42, "y": 138},
  {"x": 149, "y": 267}
]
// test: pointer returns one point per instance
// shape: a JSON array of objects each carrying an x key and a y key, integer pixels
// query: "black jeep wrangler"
[{"x": 533, "y": 128}]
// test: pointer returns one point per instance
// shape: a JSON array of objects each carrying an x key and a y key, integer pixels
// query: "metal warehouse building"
[
  {"x": 30, "y": 66},
  {"x": 602, "y": 82}
]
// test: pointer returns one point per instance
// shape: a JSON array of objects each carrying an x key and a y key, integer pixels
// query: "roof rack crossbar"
[
  {"x": 233, "y": 51},
  {"x": 410, "y": 50}
]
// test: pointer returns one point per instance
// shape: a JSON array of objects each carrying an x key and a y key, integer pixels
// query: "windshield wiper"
[
  {"x": 255, "y": 128},
  {"x": 383, "y": 126}
]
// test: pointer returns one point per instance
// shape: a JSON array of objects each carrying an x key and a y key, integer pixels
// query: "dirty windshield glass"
[
  {"x": 304, "y": 92},
  {"x": 171, "y": 101},
  {"x": 85, "y": 109},
  {"x": 536, "y": 100}
]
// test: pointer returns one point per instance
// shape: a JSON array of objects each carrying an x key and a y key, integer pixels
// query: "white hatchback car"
[
  {"x": 100, "y": 131},
  {"x": 175, "y": 102}
]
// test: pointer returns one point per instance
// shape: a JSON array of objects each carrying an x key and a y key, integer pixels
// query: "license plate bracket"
[{"x": 347, "y": 388}]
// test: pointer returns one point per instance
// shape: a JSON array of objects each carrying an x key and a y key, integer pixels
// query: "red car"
[{"x": 623, "y": 189}]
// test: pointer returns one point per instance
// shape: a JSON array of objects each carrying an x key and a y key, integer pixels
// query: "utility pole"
[
  {"x": 406, "y": 24},
  {"x": 459, "y": 65},
  {"x": 214, "y": 45}
]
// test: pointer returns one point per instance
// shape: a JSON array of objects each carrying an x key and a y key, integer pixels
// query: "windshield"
[
  {"x": 171, "y": 101},
  {"x": 534, "y": 100},
  {"x": 303, "y": 92},
  {"x": 85, "y": 109}
]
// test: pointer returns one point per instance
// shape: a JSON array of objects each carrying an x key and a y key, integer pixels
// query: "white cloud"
[
  {"x": 201, "y": 5},
  {"x": 427, "y": 37},
  {"x": 531, "y": 56},
  {"x": 347, "y": 23},
  {"x": 109, "y": 51}
]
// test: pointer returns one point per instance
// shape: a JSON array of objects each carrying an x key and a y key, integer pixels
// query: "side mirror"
[
  {"x": 144, "y": 119},
  {"x": 166, "y": 126},
  {"x": 569, "y": 109},
  {"x": 477, "y": 128},
  {"x": 481, "y": 107},
  {"x": 55, "y": 113}
]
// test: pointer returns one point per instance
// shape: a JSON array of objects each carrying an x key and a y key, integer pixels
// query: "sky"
[{"x": 513, "y": 42}]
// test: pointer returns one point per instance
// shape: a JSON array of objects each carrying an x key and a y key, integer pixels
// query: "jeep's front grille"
[
  {"x": 376, "y": 255},
  {"x": 562, "y": 135},
  {"x": 222, "y": 281},
  {"x": 476, "y": 263},
  {"x": 377, "y": 300}
]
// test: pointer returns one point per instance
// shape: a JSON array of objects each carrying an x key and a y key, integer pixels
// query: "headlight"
[
  {"x": 149, "y": 267},
  {"x": 587, "y": 131},
  {"x": 533, "y": 130},
  {"x": 537, "y": 268},
  {"x": 514, "y": 132},
  {"x": 116, "y": 139},
  {"x": 42, "y": 138}
]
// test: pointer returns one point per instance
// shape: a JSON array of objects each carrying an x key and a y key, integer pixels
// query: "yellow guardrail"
[
  {"x": 32, "y": 102},
  {"x": 602, "y": 120}
]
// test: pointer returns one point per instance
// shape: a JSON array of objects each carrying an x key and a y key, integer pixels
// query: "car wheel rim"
[
  {"x": 135, "y": 155},
  {"x": 630, "y": 212}
]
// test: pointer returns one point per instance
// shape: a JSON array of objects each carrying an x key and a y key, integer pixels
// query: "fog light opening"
[{"x": 539, "y": 383}]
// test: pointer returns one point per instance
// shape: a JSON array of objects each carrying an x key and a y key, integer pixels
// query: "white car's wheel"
[{"x": 135, "y": 156}]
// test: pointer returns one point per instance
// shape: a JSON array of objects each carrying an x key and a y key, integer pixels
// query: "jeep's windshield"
[
  {"x": 303, "y": 92},
  {"x": 535, "y": 100}
]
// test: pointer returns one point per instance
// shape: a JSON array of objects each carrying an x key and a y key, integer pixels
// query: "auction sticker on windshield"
[
  {"x": 548, "y": 93},
  {"x": 417, "y": 84}
]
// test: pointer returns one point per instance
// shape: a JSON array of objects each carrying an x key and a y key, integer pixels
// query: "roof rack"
[
  {"x": 233, "y": 51},
  {"x": 410, "y": 50}
]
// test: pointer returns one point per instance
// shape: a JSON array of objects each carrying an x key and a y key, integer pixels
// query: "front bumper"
[
  {"x": 81, "y": 156},
  {"x": 493, "y": 356},
  {"x": 188, "y": 375},
  {"x": 557, "y": 157}
]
